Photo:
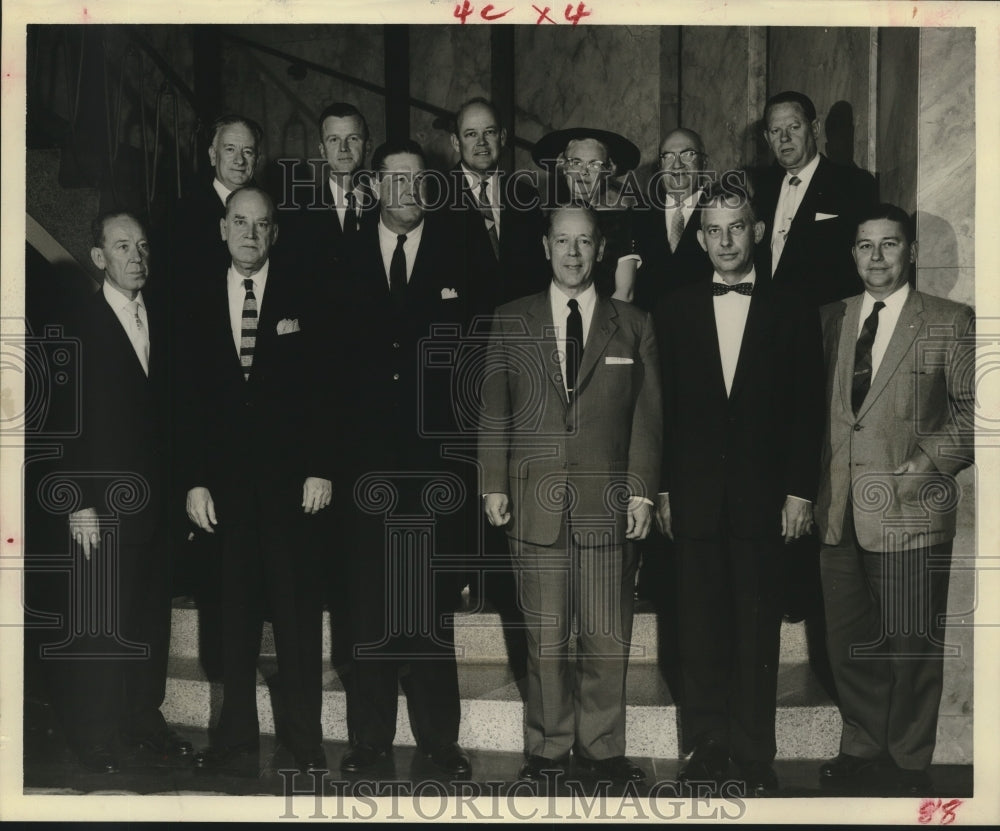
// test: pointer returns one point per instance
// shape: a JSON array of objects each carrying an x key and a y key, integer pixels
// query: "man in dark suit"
[
  {"x": 258, "y": 464},
  {"x": 569, "y": 447},
  {"x": 324, "y": 225},
  {"x": 405, "y": 527},
  {"x": 742, "y": 387},
  {"x": 234, "y": 155},
  {"x": 110, "y": 683},
  {"x": 666, "y": 235},
  {"x": 900, "y": 406},
  {"x": 809, "y": 206},
  {"x": 498, "y": 223}
]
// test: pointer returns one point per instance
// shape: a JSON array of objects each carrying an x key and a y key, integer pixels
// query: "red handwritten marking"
[
  {"x": 485, "y": 13},
  {"x": 930, "y": 807},
  {"x": 463, "y": 11},
  {"x": 580, "y": 12},
  {"x": 10, "y": 539},
  {"x": 949, "y": 809},
  {"x": 542, "y": 15}
]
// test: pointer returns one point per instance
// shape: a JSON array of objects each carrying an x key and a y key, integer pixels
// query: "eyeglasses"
[
  {"x": 686, "y": 156},
  {"x": 594, "y": 166}
]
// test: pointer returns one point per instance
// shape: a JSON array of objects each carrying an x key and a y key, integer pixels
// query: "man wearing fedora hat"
[{"x": 585, "y": 160}]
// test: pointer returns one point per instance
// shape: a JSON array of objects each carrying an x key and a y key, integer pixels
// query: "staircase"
[{"x": 492, "y": 710}]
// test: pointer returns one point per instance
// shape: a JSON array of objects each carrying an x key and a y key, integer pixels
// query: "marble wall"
[
  {"x": 832, "y": 67},
  {"x": 946, "y": 163},
  {"x": 898, "y": 106}
]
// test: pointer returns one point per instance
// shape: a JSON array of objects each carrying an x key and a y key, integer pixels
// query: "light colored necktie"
[
  {"x": 676, "y": 229},
  {"x": 487, "y": 211},
  {"x": 788, "y": 214},
  {"x": 248, "y": 333},
  {"x": 141, "y": 338}
]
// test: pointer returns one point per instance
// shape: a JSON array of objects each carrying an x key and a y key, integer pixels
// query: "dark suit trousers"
[
  {"x": 729, "y": 632},
  {"x": 269, "y": 561},
  {"x": 109, "y": 674},
  {"x": 397, "y": 599},
  {"x": 885, "y": 630},
  {"x": 575, "y": 700}
]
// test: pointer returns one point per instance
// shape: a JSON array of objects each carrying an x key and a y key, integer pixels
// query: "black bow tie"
[{"x": 745, "y": 289}]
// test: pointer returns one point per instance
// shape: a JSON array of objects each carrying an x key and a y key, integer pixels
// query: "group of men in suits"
[{"x": 698, "y": 408}]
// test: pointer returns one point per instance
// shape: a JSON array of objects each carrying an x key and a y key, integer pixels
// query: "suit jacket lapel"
[
  {"x": 703, "y": 335},
  {"x": 114, "y": 326},
  {"x": 603, "y": 326},
  {"x": 908, "y": 325},
  {"x": 806, "y": 214},
  {"x": 847, "y": 341},
  {"x": 754, "y": 331},
  {"x": 541, "y": 328}
]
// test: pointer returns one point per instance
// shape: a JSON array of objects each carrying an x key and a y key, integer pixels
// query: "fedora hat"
[{"x": 623, "y": 153}]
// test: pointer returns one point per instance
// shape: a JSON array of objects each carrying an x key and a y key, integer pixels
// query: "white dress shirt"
[
  {"x": 492, "y": 187},
  {"x": 221, "y": 190},
  {"x": 559, "y": 301},
  {"x": 887, "y": 319},
  {"x": 387, "y": 244},
  {"x": 339, "y": 198},
  {"x": 138, "y": 334},
  {"x": 788, "y": 203},
  {"x": 731, "y": 310},
  {"x": 237, "y": 294}
]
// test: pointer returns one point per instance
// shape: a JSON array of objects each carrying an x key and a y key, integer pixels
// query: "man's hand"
[
  {"x": 316, "y": 494},
  {"x": 913, "y": 473},
  {"x": 640, "y": 519},
  {"x": 497, "y": 508},
  {"x": 796, "y": 518},
  {"x": 663, "y": 515},
  {"x": 85, "y": 530},
  {"x": 201, "y": 509}
]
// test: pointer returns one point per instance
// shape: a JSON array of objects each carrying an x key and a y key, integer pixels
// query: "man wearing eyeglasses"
[
  {"x": 666, "y": 234},
  {"x": 742, "y": 371}
]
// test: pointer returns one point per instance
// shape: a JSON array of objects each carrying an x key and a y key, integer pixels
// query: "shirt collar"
[
  {"x": 259, "y": 278},
  {"x": 116, "y": 300},
  {"x": 586, "y": 299},
  {"x": 338, "y": 192},
  {"x": 386, "y": 235},
  {"x": 221, "y": 190},
  {"x": 750, "y": 277},
  {"x": 894, "y": 302},
  {"x": 474, "y": 179},
  {"x": 690, "y": 202},
  {"x": 805, "y": 175}
]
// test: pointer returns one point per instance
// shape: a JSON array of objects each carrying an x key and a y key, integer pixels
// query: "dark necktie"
[
  {"x": 397, "y": 271},
  {"x": 486, "y": 209},
  {"x": 248, "y": 334},
  {"x": 351, "y": 214},
  {"x": 745, "y": 289},
  {"x": 574, "y": 345},
  {"x": 863, "y": 358}
]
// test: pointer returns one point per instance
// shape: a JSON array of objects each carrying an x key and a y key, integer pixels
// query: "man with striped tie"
[{"x": 258, "y": 468}]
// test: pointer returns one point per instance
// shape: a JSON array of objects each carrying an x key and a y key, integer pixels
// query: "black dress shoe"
[
  {"x": 163, "y": 743},
  {"x": 909, "y": 782},
  {"x": 534, "y": 767},
  {"x": 99, "y": 758},
  {"x": 239, "y": 758},
  {"x": 451, "y": 759},
  {"x": 314, "y": 763},
  {"x": 363, "y": 757},
  {"x": 760, "y": 778},
  {"x": 846, "y": 769},
  {"x": 619, "y": 769},
  {"x": 708, "y": 763}
]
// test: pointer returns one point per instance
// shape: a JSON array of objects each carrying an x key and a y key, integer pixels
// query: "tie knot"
[
  {"x": 794, "y": 181},
  {"x": 400, "y": 239},
  {"x": 248, "y": 284},
  {"x": 879, "y": 305},
  {"x": 573, "y": 305}
]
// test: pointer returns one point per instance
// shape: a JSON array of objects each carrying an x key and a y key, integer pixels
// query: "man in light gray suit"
[
  {"x": 900, "y": 396},
  {"x": 569, "y": 448}
]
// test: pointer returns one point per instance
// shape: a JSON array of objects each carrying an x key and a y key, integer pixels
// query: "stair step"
[
  {"x": 478, "y": 637},
  {"x": 808, "y": 723}
]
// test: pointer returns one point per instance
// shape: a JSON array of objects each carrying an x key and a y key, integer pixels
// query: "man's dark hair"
[
  {"x": 102, "y": 219},
  {"x": 229, "y": 119},
  {"x": 391, "y": 148},
  {"x": 342, "y": 110},
  {"x": 253, "y": 189},
  {"x": 891, "y": 212},
  {"x": 727, "y": 192},
  {"x": 791, "y": 97},
  {"x": 473, "y": 102}
]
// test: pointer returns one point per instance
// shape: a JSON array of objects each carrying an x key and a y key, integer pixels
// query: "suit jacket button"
[
  {"x": 395, "y": 376},
  {"x": 569, "y": 428},
  {"x": 395, "y": 345},
  {"x": 857, "y": 428}
]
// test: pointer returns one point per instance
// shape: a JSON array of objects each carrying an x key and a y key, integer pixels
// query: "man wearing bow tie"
[
  {"x": 742, "y": 384},
  {"x": 258, "y": 467}
]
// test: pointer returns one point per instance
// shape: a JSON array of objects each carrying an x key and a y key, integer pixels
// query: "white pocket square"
[
  {"x": 612, "y": 360},
  {"x": 448, "y": 294},
  {"x": 288, "y": 325},
  {"x": 820, "y": 217}
]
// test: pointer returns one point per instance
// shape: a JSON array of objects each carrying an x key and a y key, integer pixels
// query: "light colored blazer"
[
  {"x": 598, "y": 451},
  {"x": 921, "y": 401}
]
